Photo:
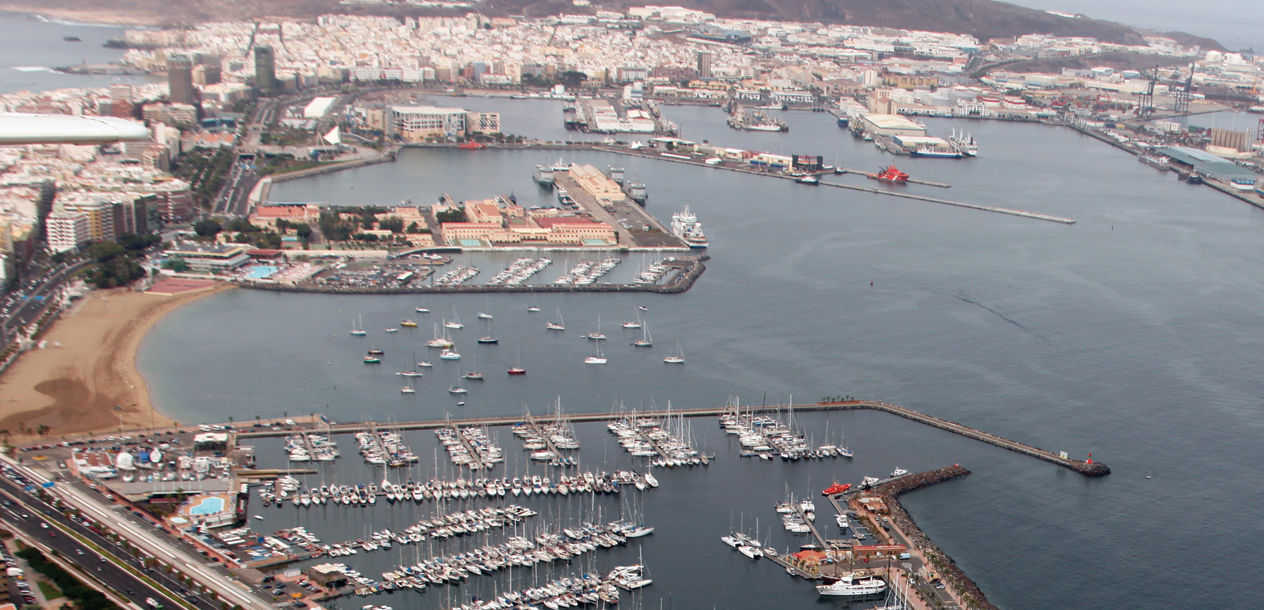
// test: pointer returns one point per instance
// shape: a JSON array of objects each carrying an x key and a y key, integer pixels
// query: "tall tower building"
[
  {"x": 265, "y": 69},
  {"x": 704, "y": 64},
  {"x": 180, "y": 79}
]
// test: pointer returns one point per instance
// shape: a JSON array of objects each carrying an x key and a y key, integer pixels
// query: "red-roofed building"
[
  {"x": 265, "y": 253},
  {"x": 268, "y": 215}
]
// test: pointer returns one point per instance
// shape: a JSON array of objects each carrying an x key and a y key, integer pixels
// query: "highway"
[
  {"x": 31, "y": 305},
  {"x": 152, "y": 543}
]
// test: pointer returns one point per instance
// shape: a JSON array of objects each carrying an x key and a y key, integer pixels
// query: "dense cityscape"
[{"x": 412, "y": 170}]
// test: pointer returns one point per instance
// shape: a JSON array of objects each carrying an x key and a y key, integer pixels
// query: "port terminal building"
[{"x": 891, "y": 125}]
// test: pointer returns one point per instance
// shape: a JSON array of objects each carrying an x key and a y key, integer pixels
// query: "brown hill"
[{"x": 984, "y": 19}]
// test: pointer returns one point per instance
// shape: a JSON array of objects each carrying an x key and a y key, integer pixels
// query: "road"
[
  {"x": 142, "y": 535},
  {"x": 25, "y": 309},
  {"x": 107, "y": 574}
]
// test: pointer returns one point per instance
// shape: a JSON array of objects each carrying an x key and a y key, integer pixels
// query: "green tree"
[
  {"x": 394, "y": 224},
  {"x": 207, "y": 227},
  {"x": 303, "y": 231},
  {"x": 451, "y": 215},
  {"x": 573, "y": 79}
]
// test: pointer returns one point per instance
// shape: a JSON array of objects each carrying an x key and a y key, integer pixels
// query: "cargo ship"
[{"x": 891, "y": 174}]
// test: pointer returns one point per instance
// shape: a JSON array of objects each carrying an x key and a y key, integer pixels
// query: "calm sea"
[
  {"x": 1133, "y": 334},
  {"x": 34, "y": 46}
]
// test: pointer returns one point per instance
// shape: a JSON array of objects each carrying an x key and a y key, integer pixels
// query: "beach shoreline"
[{"x": 85, "y": 380}]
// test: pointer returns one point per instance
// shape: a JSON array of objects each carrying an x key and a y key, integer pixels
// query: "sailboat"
[
  {"x": 488, "y": 339},
  {"x": 533, "y": 309},
  {"x": 449, "y": 354},
  {"x": 636, "y": 323},
  {"x": 517, "y": 369},
  {"x": 455, "y": 322},
  {"x": 440, "y": 339},
  {"x": 357, "y": 327},
  {"x": 678, "y": 357},
  {"x": 473, "y": 374},
  {"x": 599, "y": 358},
  {"x": 408, "y": 389},
  {"x": 457, "y": 388},
  {"x": 645, "y": 340},
  {"x": 597, "y": 334},
  {"x": 413, "y": 372},
  {"x": 424, "y": 363},
  {"x": 560, "y": 324}
]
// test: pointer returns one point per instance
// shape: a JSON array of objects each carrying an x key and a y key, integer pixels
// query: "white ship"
[
  {"x": 686, "y": 226},
  {"x": 964, "y": 143},
  {"x": 854, "y": 585}
]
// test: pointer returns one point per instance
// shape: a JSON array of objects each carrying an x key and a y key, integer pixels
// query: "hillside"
[{"x": 983, "y": 19}]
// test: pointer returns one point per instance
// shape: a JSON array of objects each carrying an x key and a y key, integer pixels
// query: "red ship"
[
  {"x": 835, "y": 489},
  {"x": 891, "y": 174},
  {"x": 468, "y": 145},
  {"x": 517, "y": 370}
]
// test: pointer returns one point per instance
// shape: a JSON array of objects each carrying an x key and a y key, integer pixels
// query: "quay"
[
  {"x": 1088, "y": 468},
  {"x": 865, "y": 189}
]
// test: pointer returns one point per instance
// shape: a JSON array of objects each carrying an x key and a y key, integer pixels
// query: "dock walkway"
[{"x": 1085, "y": 467}]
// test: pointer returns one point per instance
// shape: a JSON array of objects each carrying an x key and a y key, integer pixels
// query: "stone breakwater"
[{"x": 965, "y": 589}]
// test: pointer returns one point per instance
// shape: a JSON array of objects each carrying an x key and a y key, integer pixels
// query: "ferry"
[
  {"x": 853, "y": 585},
  {"x": 686, "y": 226},
  {"x": 891, "y": 174}
]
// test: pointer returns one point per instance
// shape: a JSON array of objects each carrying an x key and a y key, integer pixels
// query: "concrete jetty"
[
  {"x": 960, "y": 204},
  {"x": 1087, "y": 468}
]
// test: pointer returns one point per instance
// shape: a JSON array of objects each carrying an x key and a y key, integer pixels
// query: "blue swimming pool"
[
  {"x": 260, "y": 272},
  {"x": 208, "y": 506}
]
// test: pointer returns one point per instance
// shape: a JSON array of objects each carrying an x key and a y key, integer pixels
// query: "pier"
[
  {"x": 1087, "y": 468},
  {"x": 866, "y": 189}
]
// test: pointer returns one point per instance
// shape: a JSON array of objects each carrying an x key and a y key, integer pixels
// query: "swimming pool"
[
  {"x": 260, "y": 272},
  {"x": 208, "y": 506}
]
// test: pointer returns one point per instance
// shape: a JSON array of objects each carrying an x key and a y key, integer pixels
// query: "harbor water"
[{"x": 1132, "y": 335}]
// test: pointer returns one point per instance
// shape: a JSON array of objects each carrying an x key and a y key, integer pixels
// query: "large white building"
[
  {"x": 420, "y": 123},
  {"x": 67, "y": 230}
]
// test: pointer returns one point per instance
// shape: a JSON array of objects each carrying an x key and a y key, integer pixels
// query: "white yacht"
[{"x": 854, "y": 585}]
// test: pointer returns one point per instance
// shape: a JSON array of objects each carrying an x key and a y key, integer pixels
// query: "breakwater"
[
  {"x": 964, "y": 589},
  {"x": 1087, "y": 468},
  {"x": 866, "y": 189}
]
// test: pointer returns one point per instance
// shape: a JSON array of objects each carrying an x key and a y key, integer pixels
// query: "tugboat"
[{"x": 891, "y": 174}]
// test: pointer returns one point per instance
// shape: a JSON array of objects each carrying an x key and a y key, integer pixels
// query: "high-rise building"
[
  {"x": 180, "y": 79},
  {"x": 704, "y": 64},
  {"x": 265, "y": 69},
  {"x": 67, "y": 230},
  {"x": 100, "y": 216}
]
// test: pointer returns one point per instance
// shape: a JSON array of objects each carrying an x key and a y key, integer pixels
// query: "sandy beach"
[{"x": 88, "y": 367}]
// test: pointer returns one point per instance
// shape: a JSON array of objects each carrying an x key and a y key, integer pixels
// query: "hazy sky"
[{"x": 1237, "y": 24}]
